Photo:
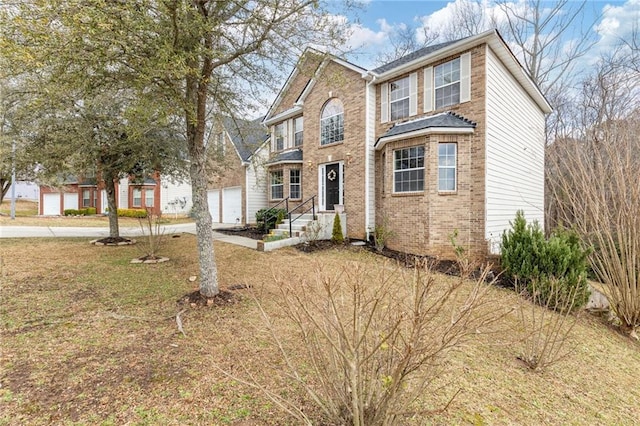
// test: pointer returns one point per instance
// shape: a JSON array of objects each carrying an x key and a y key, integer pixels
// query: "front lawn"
[{"x": 88, "y": 338}]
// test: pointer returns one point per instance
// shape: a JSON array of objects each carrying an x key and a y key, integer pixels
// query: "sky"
[{"x": 606, "y": 21}]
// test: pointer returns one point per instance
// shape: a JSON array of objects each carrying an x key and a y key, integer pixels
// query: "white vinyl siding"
[
  {"x": 514, "y": 153},
  {"x": 175, "y": 196},
  {"x": 370, "y": 158},
  {"x": 256, "y": 186}
]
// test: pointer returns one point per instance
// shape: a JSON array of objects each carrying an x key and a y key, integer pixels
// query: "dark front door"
[{"x": 332, "y": 185}]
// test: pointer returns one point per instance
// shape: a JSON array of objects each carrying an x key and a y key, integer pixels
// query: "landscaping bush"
[
  {"x": 80, "y": 212},
  {"x": 336, "y": 235},
  {"x": 267, "y": 219},
  {"x": 528, "y": 257},
  {"x": 141, "y": 214}
]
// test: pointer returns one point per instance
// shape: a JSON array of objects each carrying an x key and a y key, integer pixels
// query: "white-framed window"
[
  {"x": 148, "y": 197},
  {"x": 86, "y": 198},
  {"x": 137, "y": 197},
  {"x": 295, "y": 180},
  {"x": 277, "y": 185},
  {"x": 279, "y": 134},
  {"x": 298, "y": 131},
  {"x": 332, "y": 122},
  {"x": 447, "y": 83},
  {"x": 399, "y": 93},
  {"x": 408, "y": 169},
  {"x": 447, "y": 165},
  {"x": 220, "y": 143}
]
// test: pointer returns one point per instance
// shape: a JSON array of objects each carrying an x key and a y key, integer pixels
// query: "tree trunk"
[
  {"x": 196, "y": 96},
  {"x": 110, "y": 187}
]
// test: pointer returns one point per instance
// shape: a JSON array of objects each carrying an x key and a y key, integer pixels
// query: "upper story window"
[
  {"x": 447, "y": 83},
  {"x": 298, "y": 131},
  {"x": 399, "y": 93},
  {"x": 279, "y": 134},
  {"x": 332, "y": 122},
  {"x": 408, "y": 169}
]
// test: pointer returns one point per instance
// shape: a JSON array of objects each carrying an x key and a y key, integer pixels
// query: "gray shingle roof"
[
  {"x": 288, "y": 156},
  {"x": 447, "y": 119},
  {"x": 247, "y": 135},
  {"x": 412, "y": 56}
]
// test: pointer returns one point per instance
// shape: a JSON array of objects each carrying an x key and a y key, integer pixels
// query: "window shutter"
[
  {"x": 288, "y": 140},
  {"x": 465, "y": 77},
  {"x": 428, "y": 89},
  {"x": 413, "y": 94},
  {"x": 384, "y": 103}
]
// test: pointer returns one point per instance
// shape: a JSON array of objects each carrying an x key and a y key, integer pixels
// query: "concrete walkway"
[{"x": 101, "y": 232}]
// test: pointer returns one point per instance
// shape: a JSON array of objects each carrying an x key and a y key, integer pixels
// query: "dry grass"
[
  {"x": 88, "y": 338},
  {"x": 26, "y": 215}
]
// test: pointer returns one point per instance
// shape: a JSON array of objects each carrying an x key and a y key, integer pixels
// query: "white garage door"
[
  {"x": 232, "y": 205},
  {"x": 51, "y": 205},
  {"x": 213, "y": 198},
  {"x": 71, "y": 200}
]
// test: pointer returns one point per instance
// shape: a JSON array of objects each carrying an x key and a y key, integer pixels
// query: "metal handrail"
[
  {"x": 269, "y": 215},
  {"x": 312, "y": 208}
]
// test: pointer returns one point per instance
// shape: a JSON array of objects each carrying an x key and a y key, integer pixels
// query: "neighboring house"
[
  {"x": 237, "y": 191},
  {"x": 447, "y": 139},
  {"x": 159, "y": 194}
]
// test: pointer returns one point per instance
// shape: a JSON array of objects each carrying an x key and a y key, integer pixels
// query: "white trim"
[
  {"x": 284, "y": 162},
  {"x": 423, "y": 132},
  {"x": 322, "y": 201},
  {"x": 296, "y": 110}
]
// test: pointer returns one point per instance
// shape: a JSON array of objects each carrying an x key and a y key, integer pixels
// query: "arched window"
[{"x": 332, "y": 122}]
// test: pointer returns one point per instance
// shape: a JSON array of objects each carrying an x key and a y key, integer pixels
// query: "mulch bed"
[
  {"x": 225, "y": 298},
  {"x": 448, "y": 267},
  {"x": 249, "y": 232},
  {"x": 113, "y": 241}
]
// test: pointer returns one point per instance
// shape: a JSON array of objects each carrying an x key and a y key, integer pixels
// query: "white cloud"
[{"x": 618, "y": 23}]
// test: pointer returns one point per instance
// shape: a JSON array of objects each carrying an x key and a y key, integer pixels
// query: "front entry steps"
[{"x": 303, "y": 229}]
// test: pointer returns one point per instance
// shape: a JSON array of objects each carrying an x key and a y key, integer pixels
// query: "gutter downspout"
[{"x": 370, "y": 79}]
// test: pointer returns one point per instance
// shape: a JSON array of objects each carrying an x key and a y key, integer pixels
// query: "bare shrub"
[
  {"x": 153, "y": 234},
  {"x": 375, "y": 342},
  {"x": 382, "y": 233},
  {"x": 545, "y": 314}
]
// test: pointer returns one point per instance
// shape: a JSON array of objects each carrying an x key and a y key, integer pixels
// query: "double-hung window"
[
  {"x": 399, "y": 93},
  {"x": 148, "y": 197},
  {"x": 277, "y": 187},
  {"x": 447, "y": 83},
  {"x": 279, "y": 134},
  {"x": 294, "y": 183},
  {"x": 86, "y": 198},
  {"x": 137, "y": 197},
  {"x": 408, "y": 169},
  {"x": 332, "y": 122},
  {"x": 298, "y": 131},
  {"x": 447, "y": 153}
]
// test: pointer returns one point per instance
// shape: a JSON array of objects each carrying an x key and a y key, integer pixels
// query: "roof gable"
[{"x": 246, "y": 135}]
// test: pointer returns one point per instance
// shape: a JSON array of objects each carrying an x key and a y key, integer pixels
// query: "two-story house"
[{"x": 447, "y": 139}]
